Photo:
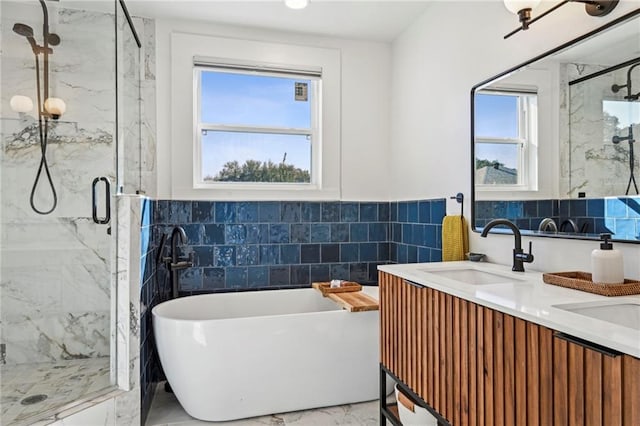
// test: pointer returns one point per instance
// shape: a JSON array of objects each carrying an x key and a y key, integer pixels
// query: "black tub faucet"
[
  {"x": 175, "y": 262},
  {"x": 519, "y": 256}
]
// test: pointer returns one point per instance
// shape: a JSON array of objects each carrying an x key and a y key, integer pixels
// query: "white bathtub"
[{"x": 236, "y": 355}]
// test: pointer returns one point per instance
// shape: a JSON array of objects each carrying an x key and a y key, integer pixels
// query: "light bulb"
[
  {"x": 515, "y": 6},
  {"x": 55, "y": 106},
  {"x": 21, "y": 103},
  {"x": 296, "y": 4}
]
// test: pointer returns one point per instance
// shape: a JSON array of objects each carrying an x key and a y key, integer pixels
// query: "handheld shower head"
[
  {"x": 23, "y": 30},
  {"x": 26, "y": 31}
]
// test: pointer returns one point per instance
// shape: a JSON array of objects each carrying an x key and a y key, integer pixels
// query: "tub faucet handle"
[{"x": 182, "y": 263}]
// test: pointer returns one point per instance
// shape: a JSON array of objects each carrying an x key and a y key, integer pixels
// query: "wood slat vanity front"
[{"x": 478, "y": 366}]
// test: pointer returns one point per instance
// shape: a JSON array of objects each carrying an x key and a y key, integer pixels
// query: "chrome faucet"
[
  {"x": 176, "y": 263},
  {"x": 518, "y": 254}
]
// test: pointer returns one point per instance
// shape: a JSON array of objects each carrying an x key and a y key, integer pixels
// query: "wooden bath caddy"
[
  {"x": 346, "y": 287},
  {"x": 349, "y": 296}
]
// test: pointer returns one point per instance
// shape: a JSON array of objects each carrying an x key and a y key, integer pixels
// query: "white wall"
[
  {"x": 435, "y": 62},
  {"x": 364, "y": 126}
]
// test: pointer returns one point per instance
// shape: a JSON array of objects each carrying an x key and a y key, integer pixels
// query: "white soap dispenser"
[{"x": 606, "y": 263}]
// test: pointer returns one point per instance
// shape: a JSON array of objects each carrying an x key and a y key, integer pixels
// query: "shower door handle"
[{"x": 107, "y": 196}]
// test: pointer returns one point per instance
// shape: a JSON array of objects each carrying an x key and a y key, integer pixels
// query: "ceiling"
[{"x": 360, "y": 19}]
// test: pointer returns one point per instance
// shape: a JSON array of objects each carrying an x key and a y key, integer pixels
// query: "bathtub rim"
[{"x": 338, "y": 308}]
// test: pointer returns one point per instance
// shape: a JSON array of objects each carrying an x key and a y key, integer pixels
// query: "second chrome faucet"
[{"x": 519, "y": 256}]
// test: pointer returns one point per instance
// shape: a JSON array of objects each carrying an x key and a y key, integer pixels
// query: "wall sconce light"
[
  {"x": 296, "y": 4},
  {"x": 22, "y": 104},
  {"x": 523, "y": 9},
  {"x": 55, "y": 107}
]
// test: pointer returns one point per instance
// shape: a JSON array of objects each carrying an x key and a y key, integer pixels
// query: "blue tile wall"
[
  {"x": 619, "y": 216},
  {"x": 415, "y": 231},
  {"x": 154, "y": 289},
  {"x": 253, "y": 245},
  {"x": 242, "y": 245},
  {"x": 526, "y": 214}
]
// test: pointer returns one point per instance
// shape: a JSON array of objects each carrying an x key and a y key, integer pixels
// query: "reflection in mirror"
[
  {"x": 604, "y": 115},
  {"x": 554, "y": 139}
]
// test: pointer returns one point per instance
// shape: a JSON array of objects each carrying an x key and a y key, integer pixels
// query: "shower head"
[
  {"x": 23, "y": 30},
  {"x": 53, "y": 39},
  {"x": 26, "y": 31},
  {"x": 616, "y": 88}
]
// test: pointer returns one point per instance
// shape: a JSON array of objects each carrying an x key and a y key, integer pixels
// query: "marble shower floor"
[
  {"x": 166, "y": 411},
  {"x": 64, "y": 382}
]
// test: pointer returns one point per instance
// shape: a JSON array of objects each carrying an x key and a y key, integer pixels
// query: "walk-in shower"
[
  {"x": 62, "y": 68},
  {"x": 629, "y": 97}
]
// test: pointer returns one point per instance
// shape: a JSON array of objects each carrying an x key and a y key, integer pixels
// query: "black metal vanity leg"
[{"x": 383, "y": 396}]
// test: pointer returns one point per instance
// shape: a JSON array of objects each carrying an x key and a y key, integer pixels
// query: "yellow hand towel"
[{"x": 455, "y": 238}]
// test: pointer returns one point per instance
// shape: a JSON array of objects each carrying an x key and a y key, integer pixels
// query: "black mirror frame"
[{"x": 484, "y": 83}]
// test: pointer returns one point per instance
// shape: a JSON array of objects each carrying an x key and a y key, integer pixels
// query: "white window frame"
[
  {"x": 178, "y": 102},
  {"x": 268, "y": 70},
  {"x": 526, "y": 141}
]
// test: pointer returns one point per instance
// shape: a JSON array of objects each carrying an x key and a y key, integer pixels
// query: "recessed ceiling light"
[{"x": 296, "y": 4}]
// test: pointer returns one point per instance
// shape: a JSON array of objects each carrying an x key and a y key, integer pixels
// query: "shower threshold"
[{"x": 29, "y": 391}]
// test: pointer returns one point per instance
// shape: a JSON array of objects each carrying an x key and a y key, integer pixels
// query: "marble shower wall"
[
  {"x": 56, "y": 268},
  {"x": 590, "y": 162}
]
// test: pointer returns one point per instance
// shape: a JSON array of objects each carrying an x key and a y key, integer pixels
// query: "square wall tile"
[
  {"x": 300, "y": 275},
  {"x": 320, "y": 233},
  {"x": 202, "y": 211},
  {"x": 213, "y": 234},
  {"x": 330, "y": 212},
  {"x": 279, "y": 275},
  {"x": 320, "y": 273},
  {"x": 279, "y": 233},
  {"x": 258, "y": 276},
  {"x": 339, "y": 232},
  {"x": 310, "y": 212},
  {"x": 225, "y": 212},
  {"x": 349, "y": 212},
  {"x": 236, "y": 277},
  {"x": 247, "y": 255},
  {"x": 329, "y": 253},
  {"x": 300, "y": 233},
  {"x": 290, "y": 253},
  {"x": 213, "y": 279},
  {"x": 310, "y": 253},
  {"x": 291, "y": 212},
  {"x": 368, "y": 212},
  {"x": 269, "y": 212},
  {"x": 247, "y": 212}
]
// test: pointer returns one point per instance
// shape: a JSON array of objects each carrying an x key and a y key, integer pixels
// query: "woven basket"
[{"x": 582, "y": 281}]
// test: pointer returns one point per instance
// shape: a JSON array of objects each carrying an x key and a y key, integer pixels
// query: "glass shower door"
[{"x": 56, "y": 261}]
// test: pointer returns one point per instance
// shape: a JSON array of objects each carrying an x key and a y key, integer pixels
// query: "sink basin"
[
  {"x": 471, "y": 276},
  {"x": 626, "y": 314}
]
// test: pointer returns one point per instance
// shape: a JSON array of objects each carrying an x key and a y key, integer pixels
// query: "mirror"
[{"x": 553, "y": 139}]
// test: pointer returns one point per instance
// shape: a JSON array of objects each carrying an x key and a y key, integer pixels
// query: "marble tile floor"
[
  {"x": 63, "y": 382},
  {"x": 166, "y": 411}
]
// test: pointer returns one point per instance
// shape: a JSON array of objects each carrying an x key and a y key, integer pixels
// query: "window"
[
  {"x": 505, "y": 140},
  {"x": 256, "y": 125}
]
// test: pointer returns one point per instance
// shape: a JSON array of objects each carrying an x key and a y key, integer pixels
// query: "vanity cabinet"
[{"x": 477, "y": 366}]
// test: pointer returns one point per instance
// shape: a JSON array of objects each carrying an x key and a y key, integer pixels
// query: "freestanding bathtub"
[{"x": 236, "y": 355}]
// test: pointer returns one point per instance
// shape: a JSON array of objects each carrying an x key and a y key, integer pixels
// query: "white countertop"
[{"x": 529, "y": 298}]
